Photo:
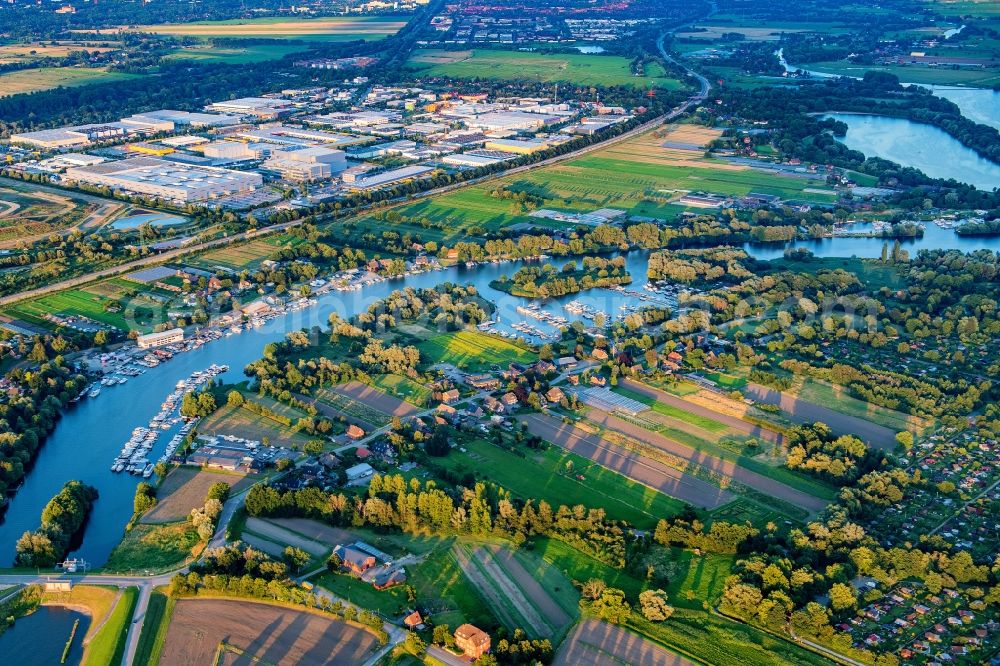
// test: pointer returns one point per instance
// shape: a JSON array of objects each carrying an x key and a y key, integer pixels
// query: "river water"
[
  {"x": 981, "y": 105},
  {"x": 921, "y": 146},
  {"x": 39, "y": 639},
  {"x": 91, "y": 433}
]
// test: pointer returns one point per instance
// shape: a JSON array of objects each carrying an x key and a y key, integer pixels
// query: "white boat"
[{"x": 94, "y": 392}]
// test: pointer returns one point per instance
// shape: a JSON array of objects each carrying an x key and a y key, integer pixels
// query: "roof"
[{"x": 473, "y": 634}]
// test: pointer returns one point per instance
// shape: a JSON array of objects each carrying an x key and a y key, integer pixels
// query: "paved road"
[
  {"x": 801, "y": 411},
  {"x": 632, "y": 465},
  {"x": 733, "y": 422},
  {"x": 728, "y": 468}
]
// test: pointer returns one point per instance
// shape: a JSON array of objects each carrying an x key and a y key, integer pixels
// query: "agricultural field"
[
  {"x": 579, "y": 69},
  {"x": 359, "y": 402},
  {"x": 36, "y": 51},
  {"x": 154, "y": 547},
  {"x": 472, "y": 351},
  {"x": 511, "y": 590},
  {"x": 46, "y": 78},
  {"x": 646, "y": 176},
  {"x": 78, "y": 303},
  {"x": 559, "y": 477},
  {"x": 185, "y": 488},
  {"x": 332, "y": 29},
  {"x": 403, "y": 388},
  {"x": 265, "y": 633},
  {"x": 836, "y": 397},
  {"x": 242, "y": 256},
  {"x": 236, "y": 55},
  {"x": 596, "y": 642}
]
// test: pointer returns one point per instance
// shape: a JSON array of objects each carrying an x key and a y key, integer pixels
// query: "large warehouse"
[{"x": 167, "y": 180}]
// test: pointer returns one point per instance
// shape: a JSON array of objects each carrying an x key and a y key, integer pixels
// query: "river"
[
  {"x": 981, "y": 105},
  {"x": 40, "y": 638},
  {"x": 917, "y": 145},
  {"x": 91, "y": 433}
]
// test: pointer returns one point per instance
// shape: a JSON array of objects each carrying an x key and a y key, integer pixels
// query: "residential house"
[
  {"x": 566, "y": 363},
  {"x": 472, "y": 641},
  {"x": 554, "y": 394},
  {"x": 449, "y": 396},
  {"x": 494, "y": 405},
  {"x": 483, "y": 382},
  {"x": 414, "y": 621},
  {"x": 354, "y": 432},
  {"x": 509, "y": 399}
]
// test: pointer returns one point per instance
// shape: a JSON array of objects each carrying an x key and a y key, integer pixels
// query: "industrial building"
[
  {"x": 184, "y": 118},
  {"x": 233, "y": 151},
  {"x": 259, "y": 107},
  {"x": 307, "y": 164},
  {"x": 70, "y": 137},
  {"x": 358, "y": 182},
  {"x": 168, "y": 180},
  {"x": 518, "y": 147},
  {"x": 510, "y": 121}
]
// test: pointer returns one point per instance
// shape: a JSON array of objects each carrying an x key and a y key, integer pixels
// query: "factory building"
[
  {"x": 307, "y": 164},
  {"x": 173, "y": 181}
]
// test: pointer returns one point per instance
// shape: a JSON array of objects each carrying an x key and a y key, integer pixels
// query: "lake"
[
  {"x": 981, "y": 105},
  {"x": 39, "y": 639},
  {"x": 153, "y": 219},
  {"x": 917, "y": 145}
]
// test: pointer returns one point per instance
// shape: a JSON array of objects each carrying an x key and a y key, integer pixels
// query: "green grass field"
[
  {"x": 153, "y": 547},
  {"x": 330, "y": 29},
  {"x": 403, "y": 388},
  {"x": 837, "y": 398},
  {"x": 579, "y": 69},
  {"x": 977, "y": 78},
  {"x": 542, "y": 475},
  {"x": 70, "y": 302},
  {"x": 46, "y": 78},
  {"x": 108, "y": 644},
  {"x": 241, "y": 422},
  {"x": 702, "y": 422},
  {"x": 242, "y": 256},
  {"x": 391, "y": 602},
  {"x": 472, "y": 350},
  {"x": 236, "y": 55},
  {"x": 154, "y": 628}
]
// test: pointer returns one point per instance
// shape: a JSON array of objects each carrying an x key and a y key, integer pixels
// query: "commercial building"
[
  {"x": 518, "y": 147},
  {"x": 259, "y": 107},
  {"x": 297, "y": 136},
  {"x": 510, "y": 121},
  {"x": 160, "y": 338},
  {"x": 69, "y": 137},
  {"x": 230, "y": 150},
  {"x": 386, "y": 177},
  {"x": 168, "y": 180},
  {"x": 307, "y": 164},
  {"x": 184, "y": 118}
]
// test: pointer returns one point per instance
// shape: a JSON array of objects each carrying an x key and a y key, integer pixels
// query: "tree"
[
  {"x": 295, "y": 558},
  {"x": 313, "y": 447},
  {"x": 235, "y": 399},
  {"x": 414, "y": 644},
  {"x": 842, "y": 597},
  {"x": 612, "y": 606},
  {"x": 593, "y": 588},
  {"x": 438, "y": 444},
  {"x": 654, "y": 606},
  {"x": 145, "y": 498},
  {"x": 905, "y": 440},
  {"x": 442, "y": 636}
]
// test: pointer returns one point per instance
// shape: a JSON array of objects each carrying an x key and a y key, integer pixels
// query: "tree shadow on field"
[
  {"x": 282, "y": 643},
  {"x": 255, "y": 645}
]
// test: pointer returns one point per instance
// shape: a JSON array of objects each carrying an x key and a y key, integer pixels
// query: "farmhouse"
[
  {"x": 354, "y": 432},
  {"x": 472, "y": 641},
  {"x": 354, "y": 559}
]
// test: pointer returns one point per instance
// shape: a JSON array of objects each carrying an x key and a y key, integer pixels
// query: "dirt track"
[
  {"x": 648, "y": 472},
  {"x": 272, "y": 634},
  {"x": 595, "y": 643},
  {"x": 680, "y": 403},
  {"x": 754, "y": 480},
  {"x": 509, "y": 567},
  {"x": 801, "y": 411},
  {"x": 505, "y": 600}
]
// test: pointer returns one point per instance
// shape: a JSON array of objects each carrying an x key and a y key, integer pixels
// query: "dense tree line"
[{"x": 62, "y": 519}]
